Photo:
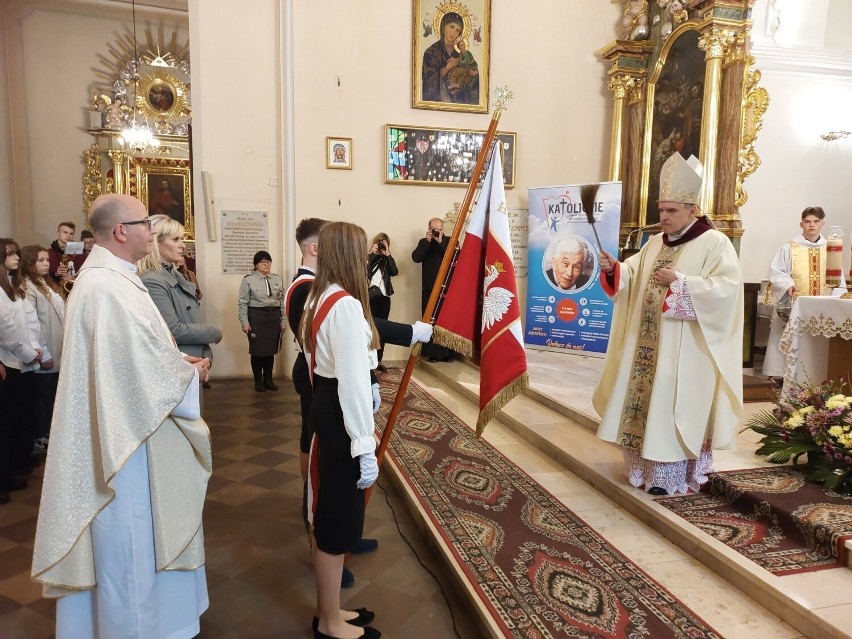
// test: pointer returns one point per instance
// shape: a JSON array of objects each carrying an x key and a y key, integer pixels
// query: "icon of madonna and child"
[{"x": 450, "y": 73}]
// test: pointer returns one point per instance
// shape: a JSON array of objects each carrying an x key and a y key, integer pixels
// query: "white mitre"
[{"x": 680, "y": 180}]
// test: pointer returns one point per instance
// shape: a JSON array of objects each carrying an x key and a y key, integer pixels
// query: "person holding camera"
[
  {"x": 430, "y": 253},
  {"x": 381, "y": 267}
]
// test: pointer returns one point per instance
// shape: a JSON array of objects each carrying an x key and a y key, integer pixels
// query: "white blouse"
[{"x": 342, "y": 351}]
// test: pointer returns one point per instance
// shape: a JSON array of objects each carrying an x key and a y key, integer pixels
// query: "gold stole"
[
  {"x": 808, "y": 265},
  {"x": 634, "y": 413}
]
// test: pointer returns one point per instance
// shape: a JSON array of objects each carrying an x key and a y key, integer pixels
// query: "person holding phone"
[
  {"x": 381, "y": 267},
  {"x": 429, "y": 252}
]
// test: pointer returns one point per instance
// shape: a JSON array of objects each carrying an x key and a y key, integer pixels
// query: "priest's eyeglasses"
[{"x": 146, "y": 221}]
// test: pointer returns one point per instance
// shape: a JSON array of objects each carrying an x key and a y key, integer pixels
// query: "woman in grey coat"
[{"x": 173, "y": 294}]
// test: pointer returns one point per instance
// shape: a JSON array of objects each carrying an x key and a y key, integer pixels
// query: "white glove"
[
  {"x": 421, "y": 332},
  {"x": 369, "y": 470},
  {"x": 377, "y": 398}
]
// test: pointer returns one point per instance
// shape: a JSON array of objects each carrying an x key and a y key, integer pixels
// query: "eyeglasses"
[
  {"x": 267, "y": 262},
  {"x": 146, "y": 221}
]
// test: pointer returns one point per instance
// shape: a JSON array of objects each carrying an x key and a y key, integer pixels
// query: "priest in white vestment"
[
  {"x": 671, "y": 389},
  {"x": 799, "y": 268},
  {"x": 119, "y": 539}
]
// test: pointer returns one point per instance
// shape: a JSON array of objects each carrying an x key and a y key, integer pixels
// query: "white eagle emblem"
[{"x": 495, "y": 302}]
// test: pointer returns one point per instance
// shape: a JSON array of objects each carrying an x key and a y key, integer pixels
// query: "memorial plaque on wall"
[
  {"x": 244, "y": 233},
  {"x": 519, "y": 232}
]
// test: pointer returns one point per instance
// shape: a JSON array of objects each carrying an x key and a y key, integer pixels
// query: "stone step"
[{"x": 567, "y": 436}]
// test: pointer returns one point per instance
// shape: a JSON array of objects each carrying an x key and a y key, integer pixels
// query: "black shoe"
[
  {"x": 656, "y": 490},
  {"x": 369, "y": 633},
  {"x": 4, "y": 497},
  {"x": 268, "y": 384},
  {"x": 381, "y": 367},
  {"x": 258, "y": 386},
  {"x": 347, "y": 579},
  {"x": 364, "y": 617},
  {"x": 365, "y": 546}
]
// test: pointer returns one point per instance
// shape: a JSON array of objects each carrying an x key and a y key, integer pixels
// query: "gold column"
[
  {"x": 726, "y": 212},
  {"x": 713, "y": 43},
  {"x": 618, "y": 84},
  {"x": 632, "y": 173},
  {"x": 118, "y": 158}
]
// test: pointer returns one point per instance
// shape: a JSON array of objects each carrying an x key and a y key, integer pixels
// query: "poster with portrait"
[
  {"x": 567, "y": 309},
  {"x": 451, "y": 45}
]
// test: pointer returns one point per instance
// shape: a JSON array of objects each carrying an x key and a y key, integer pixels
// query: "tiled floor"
[{"x": 258, "y": 562}]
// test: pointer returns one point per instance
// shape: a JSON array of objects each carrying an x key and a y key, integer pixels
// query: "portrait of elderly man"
[{"x": 568, "y": 264}]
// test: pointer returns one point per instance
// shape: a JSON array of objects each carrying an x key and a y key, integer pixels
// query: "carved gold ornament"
[
  {"x": 755, "y": 104},
  {"x": 91, "y": 176}
]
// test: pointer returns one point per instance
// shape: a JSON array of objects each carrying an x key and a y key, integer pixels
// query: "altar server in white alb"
[
  {"x": 119, "y": 538},
  {"x": 671, "y": 389},
  {"x": 799, "y": 268}
]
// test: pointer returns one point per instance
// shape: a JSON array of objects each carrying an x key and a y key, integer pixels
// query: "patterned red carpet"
[
  {"x": 772, "y": 516},
  {"x": 540, "y": 569}
]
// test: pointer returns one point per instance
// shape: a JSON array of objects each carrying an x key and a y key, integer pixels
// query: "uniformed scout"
[{"x": 261, "y": 310}]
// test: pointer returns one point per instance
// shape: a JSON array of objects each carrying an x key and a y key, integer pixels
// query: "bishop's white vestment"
[
  {"x": 671, "y": 388},
  {"x": 119, "y": 537}
]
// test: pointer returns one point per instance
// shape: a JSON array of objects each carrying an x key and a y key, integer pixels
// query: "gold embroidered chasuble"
[
  {"x": 668, "y": 385},
  {"x": 635, "y": 411},
  {"x": 121, "y": 377},
  {"x": 808, "y": 269}
]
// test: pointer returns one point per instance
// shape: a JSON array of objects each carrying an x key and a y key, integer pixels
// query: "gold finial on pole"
[{"x": 503, "y": 97}]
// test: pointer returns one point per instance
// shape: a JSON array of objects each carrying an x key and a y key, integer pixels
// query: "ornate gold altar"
[
  {"x": 682, "y": 81},
  {"x": 149, "y": 94}
]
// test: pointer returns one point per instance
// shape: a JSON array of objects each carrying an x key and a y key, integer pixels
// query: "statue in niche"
[
  {"x": 114, "y": 114},
  {"x": 635, "y": 20}
]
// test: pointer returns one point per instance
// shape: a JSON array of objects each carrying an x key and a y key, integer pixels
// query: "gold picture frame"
[
  {"x": 338, "y": 153},
  {"x": 440, "y": 157},
  {"x": 465, "y": 86},
  {"x": 674, "y": 112},
  {"x": 164, "y": 187}
]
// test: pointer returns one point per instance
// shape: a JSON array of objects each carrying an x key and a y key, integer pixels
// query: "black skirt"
[
  {"x": 339, "y": 513},
  {"x": 265, "y": 322}
]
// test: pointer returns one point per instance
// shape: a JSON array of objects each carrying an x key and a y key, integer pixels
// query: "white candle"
[{"x": 834, "y": 258}]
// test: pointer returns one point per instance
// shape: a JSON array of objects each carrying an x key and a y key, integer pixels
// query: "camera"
[
  {"x": 381, "y": 245},
  {"x": 436, "y": 233}
]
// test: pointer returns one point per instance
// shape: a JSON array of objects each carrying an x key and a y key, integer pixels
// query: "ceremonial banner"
[
  {"x": 480, "y": 316},
  {"x": 566, "y": 307}
]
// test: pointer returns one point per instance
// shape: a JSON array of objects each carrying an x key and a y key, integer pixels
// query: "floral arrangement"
[{"x": 815, "y": 421}]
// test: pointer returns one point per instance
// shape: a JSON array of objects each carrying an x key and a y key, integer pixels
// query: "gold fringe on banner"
[
  {"x": 454, "y": 341},
  {"x": 502, "y": 398}
]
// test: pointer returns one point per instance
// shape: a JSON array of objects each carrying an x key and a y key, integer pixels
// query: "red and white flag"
[{"x": 480, "y": 316}]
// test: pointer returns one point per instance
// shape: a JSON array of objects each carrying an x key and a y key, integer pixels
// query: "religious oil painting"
[
  {"x": 338, "y": 153},
  {"x": 164, "y": 188},
  {"x": 678, "y": 98},
  {"x": 441, "y": 157},
  {"x": 450, "y": 55}
]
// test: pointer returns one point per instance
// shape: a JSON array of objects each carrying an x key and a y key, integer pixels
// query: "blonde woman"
[
  {"x": 174, "y": 295},
  {"x": 340, "y": 342},
  {"x": 45, "y": 296}
]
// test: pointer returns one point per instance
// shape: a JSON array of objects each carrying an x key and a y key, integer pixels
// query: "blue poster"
[{"x": 566, "y": 307}]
